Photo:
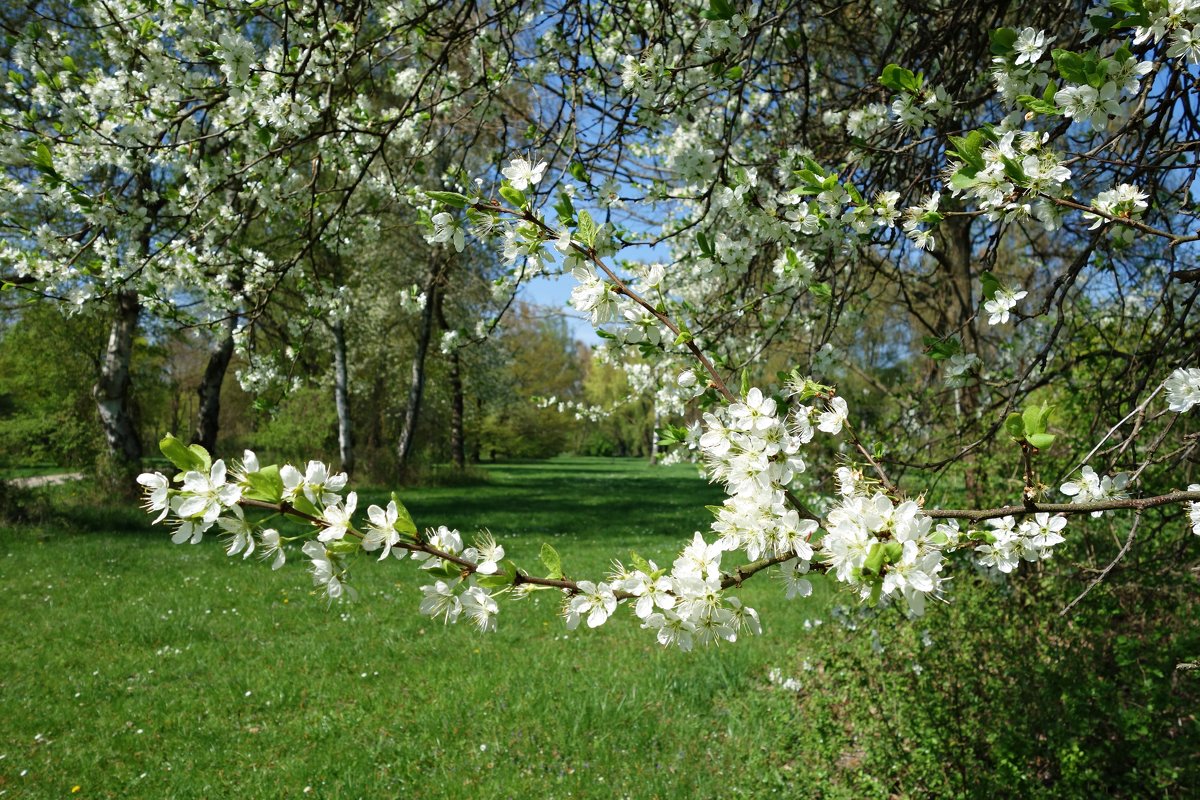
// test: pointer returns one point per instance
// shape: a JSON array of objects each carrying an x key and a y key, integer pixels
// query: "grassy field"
[{"x": 134, "y": 668}]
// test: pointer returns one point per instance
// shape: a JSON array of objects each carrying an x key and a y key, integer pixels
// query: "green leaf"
[
  {"x": 1003, "y": 40},
  {"x": 447, "y": 569},
  {"x": 990, "y": 285},
  {"x": 404, "y": 521},
  {"x": 1070, "y": 66},
  {"x": 874, "y": 563},
  {"x": 587, "y": 230},
  {"x": 552, "y": 561},
  {"x": 1014, "y": 426},
  {"x": 578, "y": 172},
  {"x": 893, "y": 551},
  {"x": 899, "y": 79},
  {"x": 449, "y": 198},
  {"x": 639, "y": 563},
  {"x": 501, "y": 578},
  {"x": 515, "y": 197},
  {"x": 963, "y": 179},
  {"x": 43, "y": 160},
  {"x": 718, "y": 10},
  {"x": 821, "y": 290},
  {"x": 1041, "y": 440},
  {"x": 185, "y": 458},
  {"x": 1038, "y": 105},
  {"x": 1035, "y": 418},
  {"x": 969, "y": 150},
  {"x": 941, "y": 349},
  {"x": 265, "y": 485},
  {"x": 305, "y": 506}
]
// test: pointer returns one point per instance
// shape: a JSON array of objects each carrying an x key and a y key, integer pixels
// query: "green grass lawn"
[{"x": 131, "y": 667}]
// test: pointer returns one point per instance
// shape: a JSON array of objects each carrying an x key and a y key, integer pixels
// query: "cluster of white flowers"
[
  {"x": 1194, "y": 510},
  {"x": 1092, "y": 487},
  {"x": 1183, "y": 389},
  {"x": 884, "y": 550},
  {"x": 452, "y": 594},
  {"x": 1014, "y": 178},
  {"x": 1124, "y": 201},
  {"x": 1007, "y": 543},
  {"x": 594, "y": 296},
  {"x": 961, "y": 366},
  {"x": 1003, "y": 302}
]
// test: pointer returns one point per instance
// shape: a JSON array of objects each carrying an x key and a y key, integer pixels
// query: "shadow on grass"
[{"x": 591, "y": 497}]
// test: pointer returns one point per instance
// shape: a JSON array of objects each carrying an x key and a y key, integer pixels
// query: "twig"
[{"x": 1137, "y": 518}]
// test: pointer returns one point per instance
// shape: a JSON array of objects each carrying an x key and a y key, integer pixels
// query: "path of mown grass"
[{"x": 131, "y": 667}]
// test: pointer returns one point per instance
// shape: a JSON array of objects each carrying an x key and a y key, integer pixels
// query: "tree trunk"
[
  {"x": 113, "y": 383},
  {"x": 341, "y": 397},
  {"x": 208, "y": 415},
  {"x": 458, "y": 455},
  {"x": 416, "y": 386}
]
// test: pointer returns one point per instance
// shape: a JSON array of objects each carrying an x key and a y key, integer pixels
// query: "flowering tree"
[{"x": 953, "y": 272}]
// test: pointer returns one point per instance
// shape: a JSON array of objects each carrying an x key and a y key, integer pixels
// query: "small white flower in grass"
[
  {"x": 1183, "y": 389},
  {"x": 597, "y": 601},
  {"x": 271, "y": 544},
  {"x": 157, "y": 494},
  {"x": 339, "y": 519},
  {"x": 522, "y": 174},
  {"x": 325, "y": 572},
  {"x": 382, "y": 531},
  {"x": 486, "y": 554},
  {"x": 480, "y": 608},
  {"x": 831, "y": 421},
  {"x": 441, "y": 601}
]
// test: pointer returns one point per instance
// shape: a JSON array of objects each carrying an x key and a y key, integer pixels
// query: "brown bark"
[
  {"x": 208, "y": 415},
  {"x": 416, "y": 386}
]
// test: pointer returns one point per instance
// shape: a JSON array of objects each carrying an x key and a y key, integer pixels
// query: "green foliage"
[
  {"x": 899, "y": 79},
  {"x": 997, "y": 695},
  {"x": 303, "y": 426},
  {"x": 47, "y": 368}
]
